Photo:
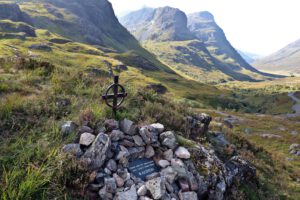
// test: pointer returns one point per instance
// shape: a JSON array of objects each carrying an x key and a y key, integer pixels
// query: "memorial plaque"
[{"x": 143, "y": 167}]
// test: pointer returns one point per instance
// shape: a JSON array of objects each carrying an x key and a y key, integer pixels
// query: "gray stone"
[
  {"x": 120, "y": 182},
  {"x": 152, "y": 176},
  {"x": 110, "y": 185},
  {"x": 116, "y": 135},
  {"x": 73, "y": 149},
  {"x": 136, "y": 152},
  {"x": 104, "y": 194},
  {"x": 128, "y": 127},
  {"x": 112, "y": 165},
  {"x": 149, "y": 134},
  {"x": 168, "y": 139},
  {"x": 111, "y": 124},
  {"x": 41, "y": 47},
  {"x": 85, "y": 129},
  {"x": 87, "y": 139},
  {"x": 95, "y": 155},
  {"x": 138, "y": 140},
  {"x": 168, "y": 155},
  {"x": 169, "y": 173},
  {"x": 163, "y": 163},
  {"x": 188, "y": 196},
  {"x": 159, "y": 127},
  {"x": 107, "y": 171},
  {"x": 184, "y": 185},
  {"x": 127, "y": 143},
  {"x": 142, "y": 191},
  {"x": 127, "y": 195},
  {"x": 129, "y": 183},
  {"x": 156, "y": 187},
  {"x": 149, "y": 151},
  {"x": 68, "y": 127},
  {"x": 183, "y": 153},
  {"x": 294, "y": 146}
]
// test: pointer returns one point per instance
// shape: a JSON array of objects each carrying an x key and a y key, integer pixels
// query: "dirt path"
[{"x": 296, "y": 107}]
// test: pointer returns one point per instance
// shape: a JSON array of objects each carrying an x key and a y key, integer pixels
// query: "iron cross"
[{"x": 117, "y": 97}]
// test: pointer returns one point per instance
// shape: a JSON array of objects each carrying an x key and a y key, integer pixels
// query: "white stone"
[
  {"x": 159, "y": 127},
  {"x": 142, "y": 190},
  {"x": 163, "y": 163},
  {"x": 156, "y": 187},
  {"x": 86, "y": 139},
  {"x": 183, "y": 153}
]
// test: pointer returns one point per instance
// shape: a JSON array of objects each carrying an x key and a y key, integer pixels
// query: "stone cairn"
[{"x": 130, "y": 163}]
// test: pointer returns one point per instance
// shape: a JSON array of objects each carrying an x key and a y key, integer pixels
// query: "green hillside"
[
  {"x": 57, "y": 58},
  {"x": 285, "y": 61},
  {"x": 189, "y": 44}
]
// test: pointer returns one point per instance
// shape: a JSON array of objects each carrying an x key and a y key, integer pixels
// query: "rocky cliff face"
[
  {"x": 204, "y": 27},
  {"x": 127, "y": 161},
  {"x": 161, "y": 24},
  {"x": 11, "y": 11}
]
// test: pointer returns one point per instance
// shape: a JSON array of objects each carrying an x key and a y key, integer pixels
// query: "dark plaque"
[{"x": 142, "y": 167}]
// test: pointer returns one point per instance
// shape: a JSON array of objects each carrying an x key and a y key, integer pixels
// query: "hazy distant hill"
[
  {"x": 284, "y": 61},
  {"x": 194, "y": 46},
  {"x": 249, "y": 57}
]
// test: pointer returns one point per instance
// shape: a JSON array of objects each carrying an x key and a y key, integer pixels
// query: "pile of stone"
[
  {"x": 131, "y": 162},
  {"x": 149, "y": 148}
]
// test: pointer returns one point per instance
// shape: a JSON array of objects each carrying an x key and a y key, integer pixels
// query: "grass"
[
  {"x": 31, "y": 87},
  {"x": 277, "y": 176}
]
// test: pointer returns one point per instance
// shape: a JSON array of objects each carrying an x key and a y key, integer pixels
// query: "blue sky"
[{"x": 256, "y": 26}]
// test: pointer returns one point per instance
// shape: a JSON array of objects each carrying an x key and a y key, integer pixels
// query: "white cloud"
[{"x": 258, "y": 26}]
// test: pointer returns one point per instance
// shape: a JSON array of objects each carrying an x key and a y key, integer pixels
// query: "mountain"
[
  {"x": 193, "y": 46},
  {"x": 249, "y": 57},
  {"x": 203, "y": 25},
  {"x": 285, "y": 61},
  {"x": 161, "y": 24}
]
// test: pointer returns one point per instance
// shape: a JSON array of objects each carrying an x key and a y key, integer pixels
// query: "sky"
[{"x": 256, "y": 26}]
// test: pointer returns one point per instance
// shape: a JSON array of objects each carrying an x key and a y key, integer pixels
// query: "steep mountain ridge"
[
  {"x": 203, "y": 25},
  {"x": 165, "y": 32},
  {"x": 285, "y": 61},
  {"x": 161, "y": 24}
]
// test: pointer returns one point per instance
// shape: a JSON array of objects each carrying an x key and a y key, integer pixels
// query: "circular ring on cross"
[{"x": 118, "y": 98}]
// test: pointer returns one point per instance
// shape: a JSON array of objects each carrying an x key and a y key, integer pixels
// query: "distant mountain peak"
[
  {"x": 159, "y": 24},
  {"x": 204, "y": 15}
]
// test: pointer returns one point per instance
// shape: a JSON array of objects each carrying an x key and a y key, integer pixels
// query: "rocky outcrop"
[
  {"x": 132, "y": 162},
  {"x": 11, "y": 11},
  {"x": 161, "y": 24}
]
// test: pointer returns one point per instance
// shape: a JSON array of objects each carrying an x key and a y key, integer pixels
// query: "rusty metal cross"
[{"x": 117, "y": 98}]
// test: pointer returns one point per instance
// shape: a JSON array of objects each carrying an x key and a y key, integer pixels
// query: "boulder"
[
  {"x": 149, "y": 134},
  {"x": 156, "y": 188},
  {"x": 168, "y": 139},
  {"x": 158, "y": 127},
  {"x": 163, "y": 163},
  {"x": 86, "y": 139},
  {"x": 188, "y": 196},
  {"x": 142, "y": 190},
  {"x": 183, "y": 153},
  {"x": 116, "y": 135},
  {"x": 197, "y": 125},
  {"x": 111, "y": 124},
  {"x": 68, "y": 127},
  {"x": 127, "y": 195},
  {"x": 149, "y": 151},
  {"x": 128, "y": 127},
  {"x": 95, "y": 155},
  {"x": 73, "y": 149},
  {"x": 138, "y": 140}
]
